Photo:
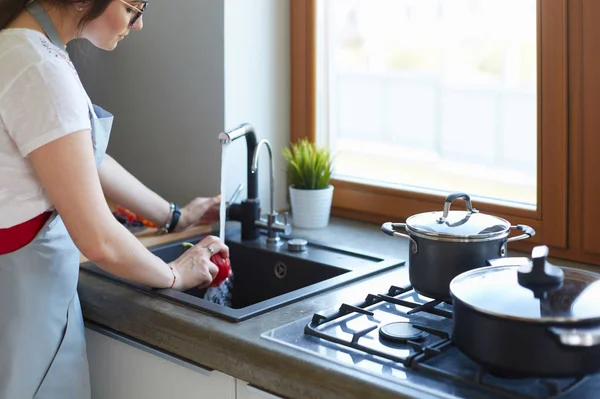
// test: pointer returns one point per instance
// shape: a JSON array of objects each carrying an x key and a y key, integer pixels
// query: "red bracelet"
[{"x": 174, "y": 277}]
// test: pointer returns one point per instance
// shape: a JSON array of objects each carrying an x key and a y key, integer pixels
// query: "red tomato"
[{"x": 224, "y": 269}]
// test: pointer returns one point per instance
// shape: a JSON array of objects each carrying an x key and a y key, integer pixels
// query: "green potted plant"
[{"x": 309, "y": 169}]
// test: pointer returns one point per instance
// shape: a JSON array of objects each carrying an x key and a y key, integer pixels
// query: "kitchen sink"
[{"x": 265, "y": 277}]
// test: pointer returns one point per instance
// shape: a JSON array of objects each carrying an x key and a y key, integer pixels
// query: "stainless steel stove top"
[{"x": 404, "y": 337}]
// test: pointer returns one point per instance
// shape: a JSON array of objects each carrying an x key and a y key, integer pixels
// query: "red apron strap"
[{"x": 18, "y": 236}]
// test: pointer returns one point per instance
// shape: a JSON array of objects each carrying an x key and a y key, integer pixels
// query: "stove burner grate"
[
  {"x": 429, "y": 348},
  {"x": 476, "y": 376}
]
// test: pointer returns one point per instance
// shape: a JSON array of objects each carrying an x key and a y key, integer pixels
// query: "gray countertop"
[{"x": 237, "y": 349}]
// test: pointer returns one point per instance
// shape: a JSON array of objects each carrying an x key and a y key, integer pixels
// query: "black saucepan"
[
  {"x": 523, "y": 317},
  {"x": 446, "y": 243}
]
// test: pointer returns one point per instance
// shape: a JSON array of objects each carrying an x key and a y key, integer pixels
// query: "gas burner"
[{"x": 402, "y": 332}]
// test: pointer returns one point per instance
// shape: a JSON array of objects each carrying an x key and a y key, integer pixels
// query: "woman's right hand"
[{"x": 194, "y": 267}]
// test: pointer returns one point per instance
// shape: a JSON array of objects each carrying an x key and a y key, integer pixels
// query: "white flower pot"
[{"x": 311, "y": 208}]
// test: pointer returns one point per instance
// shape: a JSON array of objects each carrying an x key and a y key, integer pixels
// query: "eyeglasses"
[{"x": 138, "y": 14}]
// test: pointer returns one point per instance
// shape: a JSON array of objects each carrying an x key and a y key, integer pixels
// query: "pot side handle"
[
  {"x": 528, "y": 232},
  {"x": 389, "y": 228},
  {"x": 577, "y": 337}
]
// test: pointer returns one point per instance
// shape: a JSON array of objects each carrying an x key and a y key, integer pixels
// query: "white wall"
[
  {"x": 257, "y": 84},
  {"x": 195, "y": 69}
]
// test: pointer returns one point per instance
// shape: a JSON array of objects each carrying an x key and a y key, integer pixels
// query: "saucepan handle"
[
  {"x": 389, "y": 228},
  {"x": 577, "y": 337},
  {"x": 528, "y": 232}
]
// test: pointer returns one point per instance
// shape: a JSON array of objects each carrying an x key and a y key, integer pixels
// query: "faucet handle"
[
  {"x": 285, "y": 226},
  {"x": 235, "y": 194},
  {"x": 286, "y": 217}
]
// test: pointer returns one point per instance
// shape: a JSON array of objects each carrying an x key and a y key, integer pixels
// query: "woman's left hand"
[{"x": 200, "y": 210}]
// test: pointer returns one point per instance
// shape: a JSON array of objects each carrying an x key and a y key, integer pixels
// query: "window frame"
[{"x": 379, "y": 204}]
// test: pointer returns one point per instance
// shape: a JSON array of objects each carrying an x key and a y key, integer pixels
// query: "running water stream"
[
  {"x": 222, "y": 294},
  {"x": 223, "y": 206}
]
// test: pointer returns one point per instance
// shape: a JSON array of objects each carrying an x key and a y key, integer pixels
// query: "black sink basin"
[{"x": 265, "y": 278}]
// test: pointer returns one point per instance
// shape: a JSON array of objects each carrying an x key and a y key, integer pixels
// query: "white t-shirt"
[{"x": 41, "y": 100}]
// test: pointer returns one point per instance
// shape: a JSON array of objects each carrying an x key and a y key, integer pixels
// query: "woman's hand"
[
  {"x": 194, "y": 267},
  {"x": 200, "y": 210}
]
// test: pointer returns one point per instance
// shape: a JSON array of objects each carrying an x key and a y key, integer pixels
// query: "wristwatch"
[{"x": 172, "y": 219}]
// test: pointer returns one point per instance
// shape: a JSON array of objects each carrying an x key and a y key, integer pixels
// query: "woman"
[{"x": 52, "y": 162}]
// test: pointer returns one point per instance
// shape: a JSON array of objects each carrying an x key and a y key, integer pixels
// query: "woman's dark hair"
[{"x": 9, "y": 9}]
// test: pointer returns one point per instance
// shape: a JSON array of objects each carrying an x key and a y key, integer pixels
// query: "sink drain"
[{"x": 280, "y": 270}]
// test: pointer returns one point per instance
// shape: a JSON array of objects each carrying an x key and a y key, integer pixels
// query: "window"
[
  {"x": 442, "y": 93},
  {"x": 419, "y": 98}
]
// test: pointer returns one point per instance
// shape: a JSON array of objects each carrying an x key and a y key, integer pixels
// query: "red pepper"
[
  {"x": 224, "y": 269},
  {"x": 126, "y": 213}
]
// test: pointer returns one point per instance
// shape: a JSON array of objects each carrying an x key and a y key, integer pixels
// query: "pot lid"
[
  {"x": 533, "y": 290},
  {"x": 464, "y": 225},
  {"x": 458, "y": 224}
]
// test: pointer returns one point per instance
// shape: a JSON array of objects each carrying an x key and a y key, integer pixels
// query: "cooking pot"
[
  {"x": 446, "y": 243},
  {"x": 522, "y": 317}
]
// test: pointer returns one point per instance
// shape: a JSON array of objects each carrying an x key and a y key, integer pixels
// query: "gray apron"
[{"x": 42, "y": 341}]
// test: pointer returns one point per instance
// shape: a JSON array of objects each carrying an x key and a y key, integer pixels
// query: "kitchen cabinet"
[
  {"x": 247, "y": 391},
  {"x": 127, "y": 370}
]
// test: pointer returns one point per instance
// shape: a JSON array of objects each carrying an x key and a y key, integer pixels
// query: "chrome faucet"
[
  {"x": 272, "y": 224},
  {"x": 248, "y": 212}
]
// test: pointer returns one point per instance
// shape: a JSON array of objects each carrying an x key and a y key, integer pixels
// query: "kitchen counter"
[{"x": 237, "y": 349}]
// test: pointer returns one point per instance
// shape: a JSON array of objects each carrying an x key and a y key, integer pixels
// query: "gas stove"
[{"x": 402, "y": 336}]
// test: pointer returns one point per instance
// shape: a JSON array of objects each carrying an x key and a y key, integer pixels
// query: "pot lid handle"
[
  {"x": 450, "y": 199},
  {"x": 539, "y": 275}
]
